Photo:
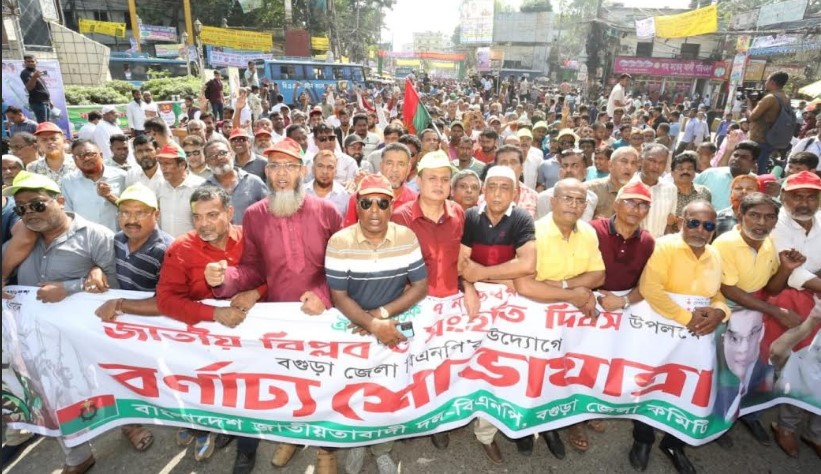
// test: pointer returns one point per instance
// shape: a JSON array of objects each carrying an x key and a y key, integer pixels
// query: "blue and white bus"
[
  {"x": 313, "y": 77},
  {"x": 135, "y": 68}
]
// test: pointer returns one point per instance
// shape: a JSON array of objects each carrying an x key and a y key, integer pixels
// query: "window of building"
[
  {"x": 644, "y": 49},
  {"x": 690, "y": 51}
]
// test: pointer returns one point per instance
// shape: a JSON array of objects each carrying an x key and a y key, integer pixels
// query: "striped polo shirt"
[
  {"x": 373, "y": 275},
  {"x": 140, "y": 270}
]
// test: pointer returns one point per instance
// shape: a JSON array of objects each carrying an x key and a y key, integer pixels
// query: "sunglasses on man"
[
  {"x": 36, "y": 206},
  {"x": 383, "y": 203}
]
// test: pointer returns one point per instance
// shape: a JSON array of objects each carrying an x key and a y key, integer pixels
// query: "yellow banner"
[
  {"x": 692, "y": 23},
  {"x": 236, "y": 39},
  {"x": 107, "y": 28},
  {"x": 320, "y": 44},
  {"x": 408, "y": 62}
]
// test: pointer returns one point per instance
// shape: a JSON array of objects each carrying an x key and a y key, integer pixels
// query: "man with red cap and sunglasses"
[
  {"x": 241, "y": 144},
  {"x": 798, "y": 228},
  {"x": 294, "y": 268},
  {"x": 375, "y": 271},
  {"x": 682, "y": 282}
]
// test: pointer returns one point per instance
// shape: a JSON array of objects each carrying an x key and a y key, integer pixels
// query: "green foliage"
[
  {"x": 122, "y": 87},
  {"x": 163, "y": 89},
  {"x": 530, "y": 6},
  {"x": 157, "y": 73},
  {"x": 77, "y": 95}
]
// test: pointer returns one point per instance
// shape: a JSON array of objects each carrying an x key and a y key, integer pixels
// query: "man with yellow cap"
[{"x": 66, "y": 249}]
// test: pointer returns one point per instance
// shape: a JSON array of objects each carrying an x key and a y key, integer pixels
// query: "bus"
[
  {"x": 313, "y": 77},
  {"x": 134, "y": 68}
]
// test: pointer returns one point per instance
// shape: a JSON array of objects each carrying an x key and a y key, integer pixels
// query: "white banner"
[
  {"x": 646, "y": 28},
  {"x": 285, "y": 376}
]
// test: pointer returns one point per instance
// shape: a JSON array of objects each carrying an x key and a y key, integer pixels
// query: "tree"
[{"x": 531, "y": 6}]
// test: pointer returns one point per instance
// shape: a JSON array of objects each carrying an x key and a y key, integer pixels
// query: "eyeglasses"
[
  {"x": 88, "y": 154},
  {"x": 290, "y": 167},
  {"x": 193, "y": 153},
  {"x": 734, "y": 338},
  {"x": 36, "y": 206},
  {"x": 709, "y": 226},
  {"x": 383, "y": 203},
  {"x": 218, "y": 154},
  {"x": 635, "y": 204},
  {"x": 138, "y": 215},
  {"x": 325, "y": 138},
  {"x": 572, "y": 201},
  {"x": 239, "y": 139}
]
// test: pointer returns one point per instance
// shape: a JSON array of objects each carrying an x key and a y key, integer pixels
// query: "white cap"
[
  {"x": 108, "y": 109},
  {"x": 14, "y": 159},
  {"x": 500, "y": 171}
]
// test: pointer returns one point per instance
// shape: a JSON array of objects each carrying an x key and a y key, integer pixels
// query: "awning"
[{"x": 812, "y": 90}]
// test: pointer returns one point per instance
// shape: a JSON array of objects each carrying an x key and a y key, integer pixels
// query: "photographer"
[
  {"x": 764, "y": 116},
  {"x": 39, "y": 98}
]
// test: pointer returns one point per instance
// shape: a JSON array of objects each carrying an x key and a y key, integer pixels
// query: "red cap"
[
  {"x": 47, "y": 127},
  {"x": 315, "y": 110},
  {"x": 635, "y": 190},
  {"x": 374, "y": 184},
  {"x": 239, "y": 132},
  {"x": 262, "y": 131},
  {"x": 171, "y": 150},
  {"x": 764, "y": 180},
  {"x": 286, "y": 146},
  {"x": 802, "y": 180}
]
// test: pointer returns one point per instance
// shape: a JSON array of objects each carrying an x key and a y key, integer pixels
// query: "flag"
[
  {"x": 414, "y": 113},
  {"x": 87, "y": 413}
]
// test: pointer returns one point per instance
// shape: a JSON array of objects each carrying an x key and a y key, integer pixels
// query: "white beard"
[{"x": 286, "y": 203}]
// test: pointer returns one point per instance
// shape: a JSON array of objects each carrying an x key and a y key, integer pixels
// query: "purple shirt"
[{"x": 287, "y": 253}]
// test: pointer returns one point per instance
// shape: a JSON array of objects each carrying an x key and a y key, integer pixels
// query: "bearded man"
[{"x": 294, "y": 269}]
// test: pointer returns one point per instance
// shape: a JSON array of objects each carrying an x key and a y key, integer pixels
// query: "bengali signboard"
[
  {"x": 227, "y": 57},
  {"x": 739, "y": 61},
  {"x": 754, "y": 70},
  {"x": 15, "y": 93},
  {"x": 157, "y": 33},
  {"x": 663, "y": 67},
  {"x": 107, "y": 28},
  {"x": 774, "y": 13},
  {"x": 476, "y": 22},
  {"x": 701, "y": 21},
  {"x": 282, "y": 376},
  {"x": 237, "y": 39}
]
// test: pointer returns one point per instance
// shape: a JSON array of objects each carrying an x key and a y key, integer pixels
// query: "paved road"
[{"x": 607, "y": 454}]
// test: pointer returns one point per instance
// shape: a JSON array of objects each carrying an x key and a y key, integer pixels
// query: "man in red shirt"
[
  {"x": 395, "y": 166},
  {"x": 488, "y": 142},
  {"x": 438, "y": 224},
  {"x": 293, "y": 268}
]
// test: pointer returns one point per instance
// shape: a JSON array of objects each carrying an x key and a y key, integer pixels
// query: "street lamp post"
[
  {"x": 184, "y": 41},
  {"x": 198, "y": 41}
]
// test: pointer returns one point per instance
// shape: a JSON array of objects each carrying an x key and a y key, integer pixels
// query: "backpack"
[{"x": 780, "y": 133}]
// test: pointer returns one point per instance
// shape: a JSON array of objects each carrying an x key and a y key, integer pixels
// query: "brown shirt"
[
  {"x": 604, "y": 189},
  {"x": 765, "y": 114}
]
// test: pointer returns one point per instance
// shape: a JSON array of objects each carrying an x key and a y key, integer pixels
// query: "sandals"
[
  {"x": 139, "y": 437},
  {"x": 578, "y": 438},
  {"x": 597, "y": 425}
]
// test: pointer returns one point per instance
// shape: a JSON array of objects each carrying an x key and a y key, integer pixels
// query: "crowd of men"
[{"x": 563, "y": 204}]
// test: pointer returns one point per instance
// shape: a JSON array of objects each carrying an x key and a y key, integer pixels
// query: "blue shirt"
[
  {"x": 723, "y": 127},
  {"x": 593, "y": 173},
  {"x": 248, "y": 190},
  {"x": 9, "y": 218},
  {"x": 718, "y": 181},
  {"x": 140, "y": 270},
  {"x": 27, "y": 125}
]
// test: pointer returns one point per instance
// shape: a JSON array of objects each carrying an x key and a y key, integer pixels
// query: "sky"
[{"x": 409, "y": 16}]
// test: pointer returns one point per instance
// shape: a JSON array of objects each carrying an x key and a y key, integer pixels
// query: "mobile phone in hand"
[{"x": 406, "y": 329}]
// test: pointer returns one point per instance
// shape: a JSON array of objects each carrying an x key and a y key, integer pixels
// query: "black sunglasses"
[
  {"x": 325, "y": 138},
  {"x": 383, "y": 204},
  {"x": 36, "y": 206},
  {"x": 709, "y": 226}
]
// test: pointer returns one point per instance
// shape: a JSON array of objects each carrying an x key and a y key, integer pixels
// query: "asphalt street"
[{"x": 607, "y": 454}]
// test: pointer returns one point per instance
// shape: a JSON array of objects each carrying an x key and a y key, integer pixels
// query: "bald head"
[
  {"x": 698, "y": 207},
  {"x": 568, "y": 185}
]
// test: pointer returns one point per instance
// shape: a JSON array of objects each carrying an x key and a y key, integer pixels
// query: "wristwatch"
[
  {"x": 383, "y": 313},
  {"x": 626, "y": 302},
  {"x": 564, "y": 284}
]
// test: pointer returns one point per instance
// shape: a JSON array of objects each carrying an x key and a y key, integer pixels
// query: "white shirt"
[
  {"x": 136, "y": 116},
  {"x": 346, "y": 167},
  {"x": 175, "y": 210},
  {"x": 251, "y": 77},
  {"x": 102, "y": 133},
  {"x": 787, "y": 234},
  {"x": 617, "y": 94},
  {"x": 810, "y": 144},
  {"x": 151, "y": 109},
  {"x": 81, "y": 196},
  {"x": 137, "y": 175},
  {"x": 665, "y": 198},
  {"x": 531, "y": 167},
  {"x": 87, "y": 131}
]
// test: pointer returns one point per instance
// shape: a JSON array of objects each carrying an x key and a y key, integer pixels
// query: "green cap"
[
  {"x": 31, "y": 181},
  {"x": 141, "y": 193}
]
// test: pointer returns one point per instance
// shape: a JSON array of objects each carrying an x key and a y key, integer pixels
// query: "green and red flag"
[
  {"x": 414, "y": 114},
  {"x": 87, "y": 413}
]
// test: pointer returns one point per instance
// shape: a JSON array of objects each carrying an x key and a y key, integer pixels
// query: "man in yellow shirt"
[
  {"x": 569, "y": 266},
  {"x": 751, "y": 269},
  {"x": 683, "y": 266}
]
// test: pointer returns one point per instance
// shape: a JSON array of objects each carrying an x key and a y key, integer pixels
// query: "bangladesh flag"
[
  {"x": 87, "y": 413},
  {"x": 414, "y": 113}
]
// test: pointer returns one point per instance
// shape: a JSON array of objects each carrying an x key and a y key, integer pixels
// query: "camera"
[{"x": 44, "y": 73}]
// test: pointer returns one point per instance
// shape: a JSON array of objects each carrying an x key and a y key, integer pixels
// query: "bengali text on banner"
[
  {"x": 107, "y": 28},
  {"x": 237, "y": 39},
  {"x": 693, "y": 23},
  {"x": 285, "y": 376}
]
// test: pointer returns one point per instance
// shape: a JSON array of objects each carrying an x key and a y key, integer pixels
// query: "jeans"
[
  {"x": 764, "y": 158},
  {"x": 41, "y": 110},
  {"x": 216, "y": 109}
]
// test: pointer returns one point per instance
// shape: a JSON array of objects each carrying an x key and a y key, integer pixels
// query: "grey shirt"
[
  {"x": 548, "y": 173},
  {"x": 71, "y": 256},
  {"x": 248, "y": 190}
]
